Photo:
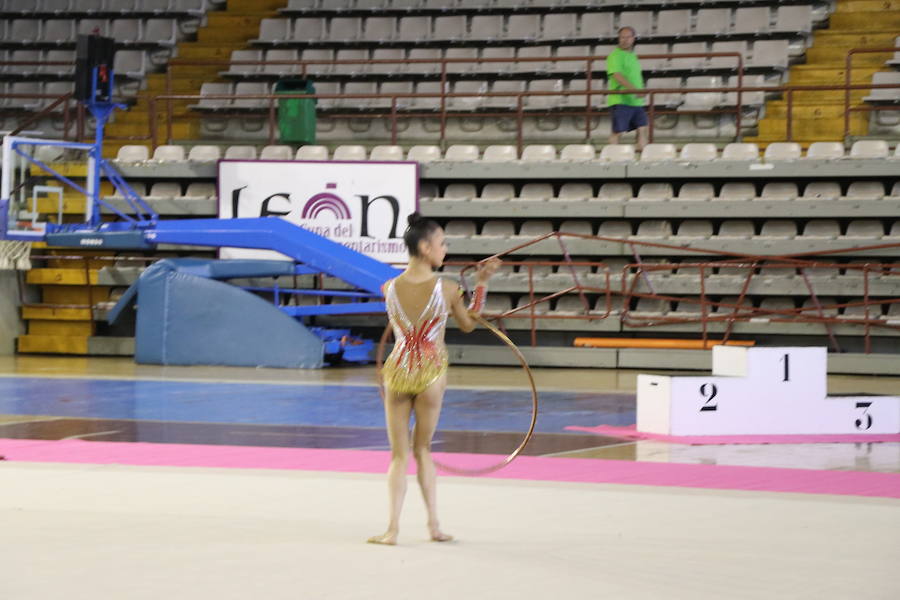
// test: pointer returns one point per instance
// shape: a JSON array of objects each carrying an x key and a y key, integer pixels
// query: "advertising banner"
[{"x": 362, "y": 205}]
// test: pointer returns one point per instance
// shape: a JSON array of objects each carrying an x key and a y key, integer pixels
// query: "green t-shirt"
[{"x": 626, "y": 63}]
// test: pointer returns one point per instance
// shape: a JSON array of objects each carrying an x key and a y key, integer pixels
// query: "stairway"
[
  {"x": 819, "y": 115},
  {"x": 225, "y": 30}
]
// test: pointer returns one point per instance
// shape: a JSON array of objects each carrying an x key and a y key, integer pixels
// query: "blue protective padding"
[
  {"x": 228, "y": 269},
  {"x": 188, "y": 320},
  {"x": 272, "y": 233}
]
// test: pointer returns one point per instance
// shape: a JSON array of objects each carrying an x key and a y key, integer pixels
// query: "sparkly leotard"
[{"x": 419, "y": 356}]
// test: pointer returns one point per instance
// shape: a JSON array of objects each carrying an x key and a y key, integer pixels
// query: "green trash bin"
[{"x": 296, "y": 116}]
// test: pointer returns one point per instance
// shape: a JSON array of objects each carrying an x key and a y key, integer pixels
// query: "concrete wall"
[{"x": 10, "y": 322}]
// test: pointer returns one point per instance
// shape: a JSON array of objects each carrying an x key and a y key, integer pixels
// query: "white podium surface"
[{"x": 759, "y": 391}]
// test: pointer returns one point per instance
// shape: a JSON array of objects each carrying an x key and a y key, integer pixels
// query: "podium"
[{"x": 760, "y": 391}]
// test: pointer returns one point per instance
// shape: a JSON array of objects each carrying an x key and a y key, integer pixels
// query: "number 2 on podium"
[{"x": 708, "y": 391}]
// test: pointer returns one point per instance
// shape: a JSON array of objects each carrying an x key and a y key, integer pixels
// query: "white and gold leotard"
[{"x": 419, "y": 357}]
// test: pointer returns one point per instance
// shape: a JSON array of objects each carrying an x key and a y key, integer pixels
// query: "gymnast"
[{"x": 414, "y": 375}]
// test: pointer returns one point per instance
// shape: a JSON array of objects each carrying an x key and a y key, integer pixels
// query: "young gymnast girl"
[{"x": 414, "y": 375}]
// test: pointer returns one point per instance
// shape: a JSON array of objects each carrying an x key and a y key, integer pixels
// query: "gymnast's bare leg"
[
  {"x": 397, "y": 409},
  {"x": 427, "y": 407}
]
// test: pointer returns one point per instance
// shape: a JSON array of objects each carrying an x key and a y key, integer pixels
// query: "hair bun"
[{"x": 413, "y": 219}]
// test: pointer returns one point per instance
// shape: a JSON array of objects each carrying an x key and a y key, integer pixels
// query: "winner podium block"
[{"x": 760, "y": 391}]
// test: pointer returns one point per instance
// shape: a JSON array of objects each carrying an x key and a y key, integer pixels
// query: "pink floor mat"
[
  {"x": 580, "y": 470},
  {"x": 630, "y": 432}
]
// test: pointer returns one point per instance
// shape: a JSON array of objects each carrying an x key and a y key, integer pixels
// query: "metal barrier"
[{"x": 848, "y": 77}]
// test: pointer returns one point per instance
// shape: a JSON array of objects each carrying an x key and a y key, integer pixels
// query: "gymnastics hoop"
[{"x": 379, "y": 355}]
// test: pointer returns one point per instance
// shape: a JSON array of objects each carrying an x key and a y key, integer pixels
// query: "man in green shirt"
[{"x": 623, "y": 72}]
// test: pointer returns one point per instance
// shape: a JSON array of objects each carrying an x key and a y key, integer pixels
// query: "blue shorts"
[{"x": 628, "y": 118}]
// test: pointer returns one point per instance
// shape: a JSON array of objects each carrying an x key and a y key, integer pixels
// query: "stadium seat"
[
  {"x": 822, "y": 228},
  {"x": 699, "y": 152},
  {"x": 560, "y": 27},
  {"x": 658, "y": 153},
  {"x": 655, "y": 191},
  {"x": 534, "y": 66},
  {"x": 133, "y": 154},
  {"x": 462, "y": 153},
  {"x": 754, "y": 20},
  {"x": 240, "y": 153},
  {"x": 459, "y": 229},
  {"x": 615, "y": 191},
  {"x": 865, "y": 190},
  {"x": 673, "y": 23},
  {"x": 460, "y": 191},
  {"x": 778, "y": 229},
  {"x": 273, "y": 57},
  {"x": 424, "y": 153},
  {"x": 617, "y": 153},
  {"x": 575, "y": 192},
  {"x": 779, "y": 190},
  {"x": 712, "y": 21},
  {"x": 890, "y": 95},
  {"x": 740, "y": 151},
  {"x": 276, "y": 152},
  {"x": 386, "y": 153},
  {"x": 351, "y": 152},
  {"x": 165, "y": 189},
  {"x": 204, "y": 153},
  {"x": 536, "y": 192},
  {"x": 572, "y": 66},
  {"x": 696, "y": 191},
  {"x": 200, "y": 190},
  {"x": 614, "y": 229},
  {"x": 793, "y": 19},
  {"x": 169, "y": 153},
  {"x": 822, "y": 190},
  {"x": 496, "y": 228},
  {"x": 825, "y": 150},
  {"x": 737, "y": 191},
  {"x": 414, "y": 29},
  {"x": 539, "y": 153},
  {"x": 497, "y": 192},
  {"x": 464, "y": 61},
  {"x": 695, "y": 229},
  {"x": 525, "y": 28},
  {"x": 500, "y": 153},
  {"x": 578, "y": 152},
  {"x": 869, "y": 149},
  {"x": 736, "y": 228},
  {"x": 865, "y": 229},
  {"x": 779, "y": 151},
  {"x": 544, "y": 102}
]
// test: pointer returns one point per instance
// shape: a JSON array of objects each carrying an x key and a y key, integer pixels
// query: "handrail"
[{"x": 848, "y": 68}]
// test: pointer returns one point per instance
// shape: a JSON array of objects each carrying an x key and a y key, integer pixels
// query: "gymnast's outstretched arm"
[{"x": 461, "y": 313}]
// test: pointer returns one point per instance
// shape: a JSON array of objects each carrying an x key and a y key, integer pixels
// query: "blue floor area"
[{"x": 325, "y": 405}]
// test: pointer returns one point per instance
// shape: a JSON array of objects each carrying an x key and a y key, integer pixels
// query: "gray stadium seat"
[
  {"x": 869, "y": 229},
  {"x": 865, "y": 190},
  {"x": 822, "y": 190},
  {"x": 536, "y": 192},
  {"x": 736, "y": 228},
  {"x": 276, "y": 152},
  {"x": 578, "y": 152},
  {"x": 414, "y": 29},
  {"x": 525, "y": 27},
  {"x": 311, "y": 152},
  {"x": 165, "y": 189},
  {"x": 496, "y": 228},
  {"x": 795, "y": 18},
  {"x": 869, "y": 149},
  {"x": 615, "y": 191},
  {"x": 822, "y": 228},
  {"x": 614, "y": 229},
  {"x": 658, "y": 152},
  {"x": 462, "y": 152},
  {"x": 460, "y": 191},
  {"x": 271, "y": 68},
  {"x": 353, "y": 152},
  {"x": 779, "y": 151},
  {"x": 424, "y": 153},
  {"x": 379, "y": 29},
  {"x": 534, "y": 66},
  {"x": 753, "y": 19},
  {"x": 779, "y": 229},
  {"x": 575, "y": 192},
  {"x": 572, "y": 66},
  {"x": 699, "y": 152},
  {"x": 673, "y": 23},
  {"x": 240, "y": 152},
  {"x": 344, "y": 29},
  {"x": 449, "y": 28},
  {"x": 244, "y": 55},
  {"x": 467, "y": 57},
  {"x": 617, "y": 153},
  {"x": 386, "y": 153},
  {"x": 351, "y": 68},
  {"x": 825, "y": 150},
  {"x": 304, "y": 30},
  {"x": 560, "y": 26},
  {"x": 539, "y": 153},
  {"x": 500, "y": 153},
  {"x": 740, "y": 151},
  {"x": 497, "y": 192},
  {"x": 655, "y": 191},
  {"x": 460, "y": 229},
  {"x": 695, "y": 229},
  {"x": 696, "y": 191},
  {"x": 713, "y": 21},
  {"x": 779, "y": 190},
  {"x": 737, "y": 191},
  {"x": 205, "y": 153}
]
